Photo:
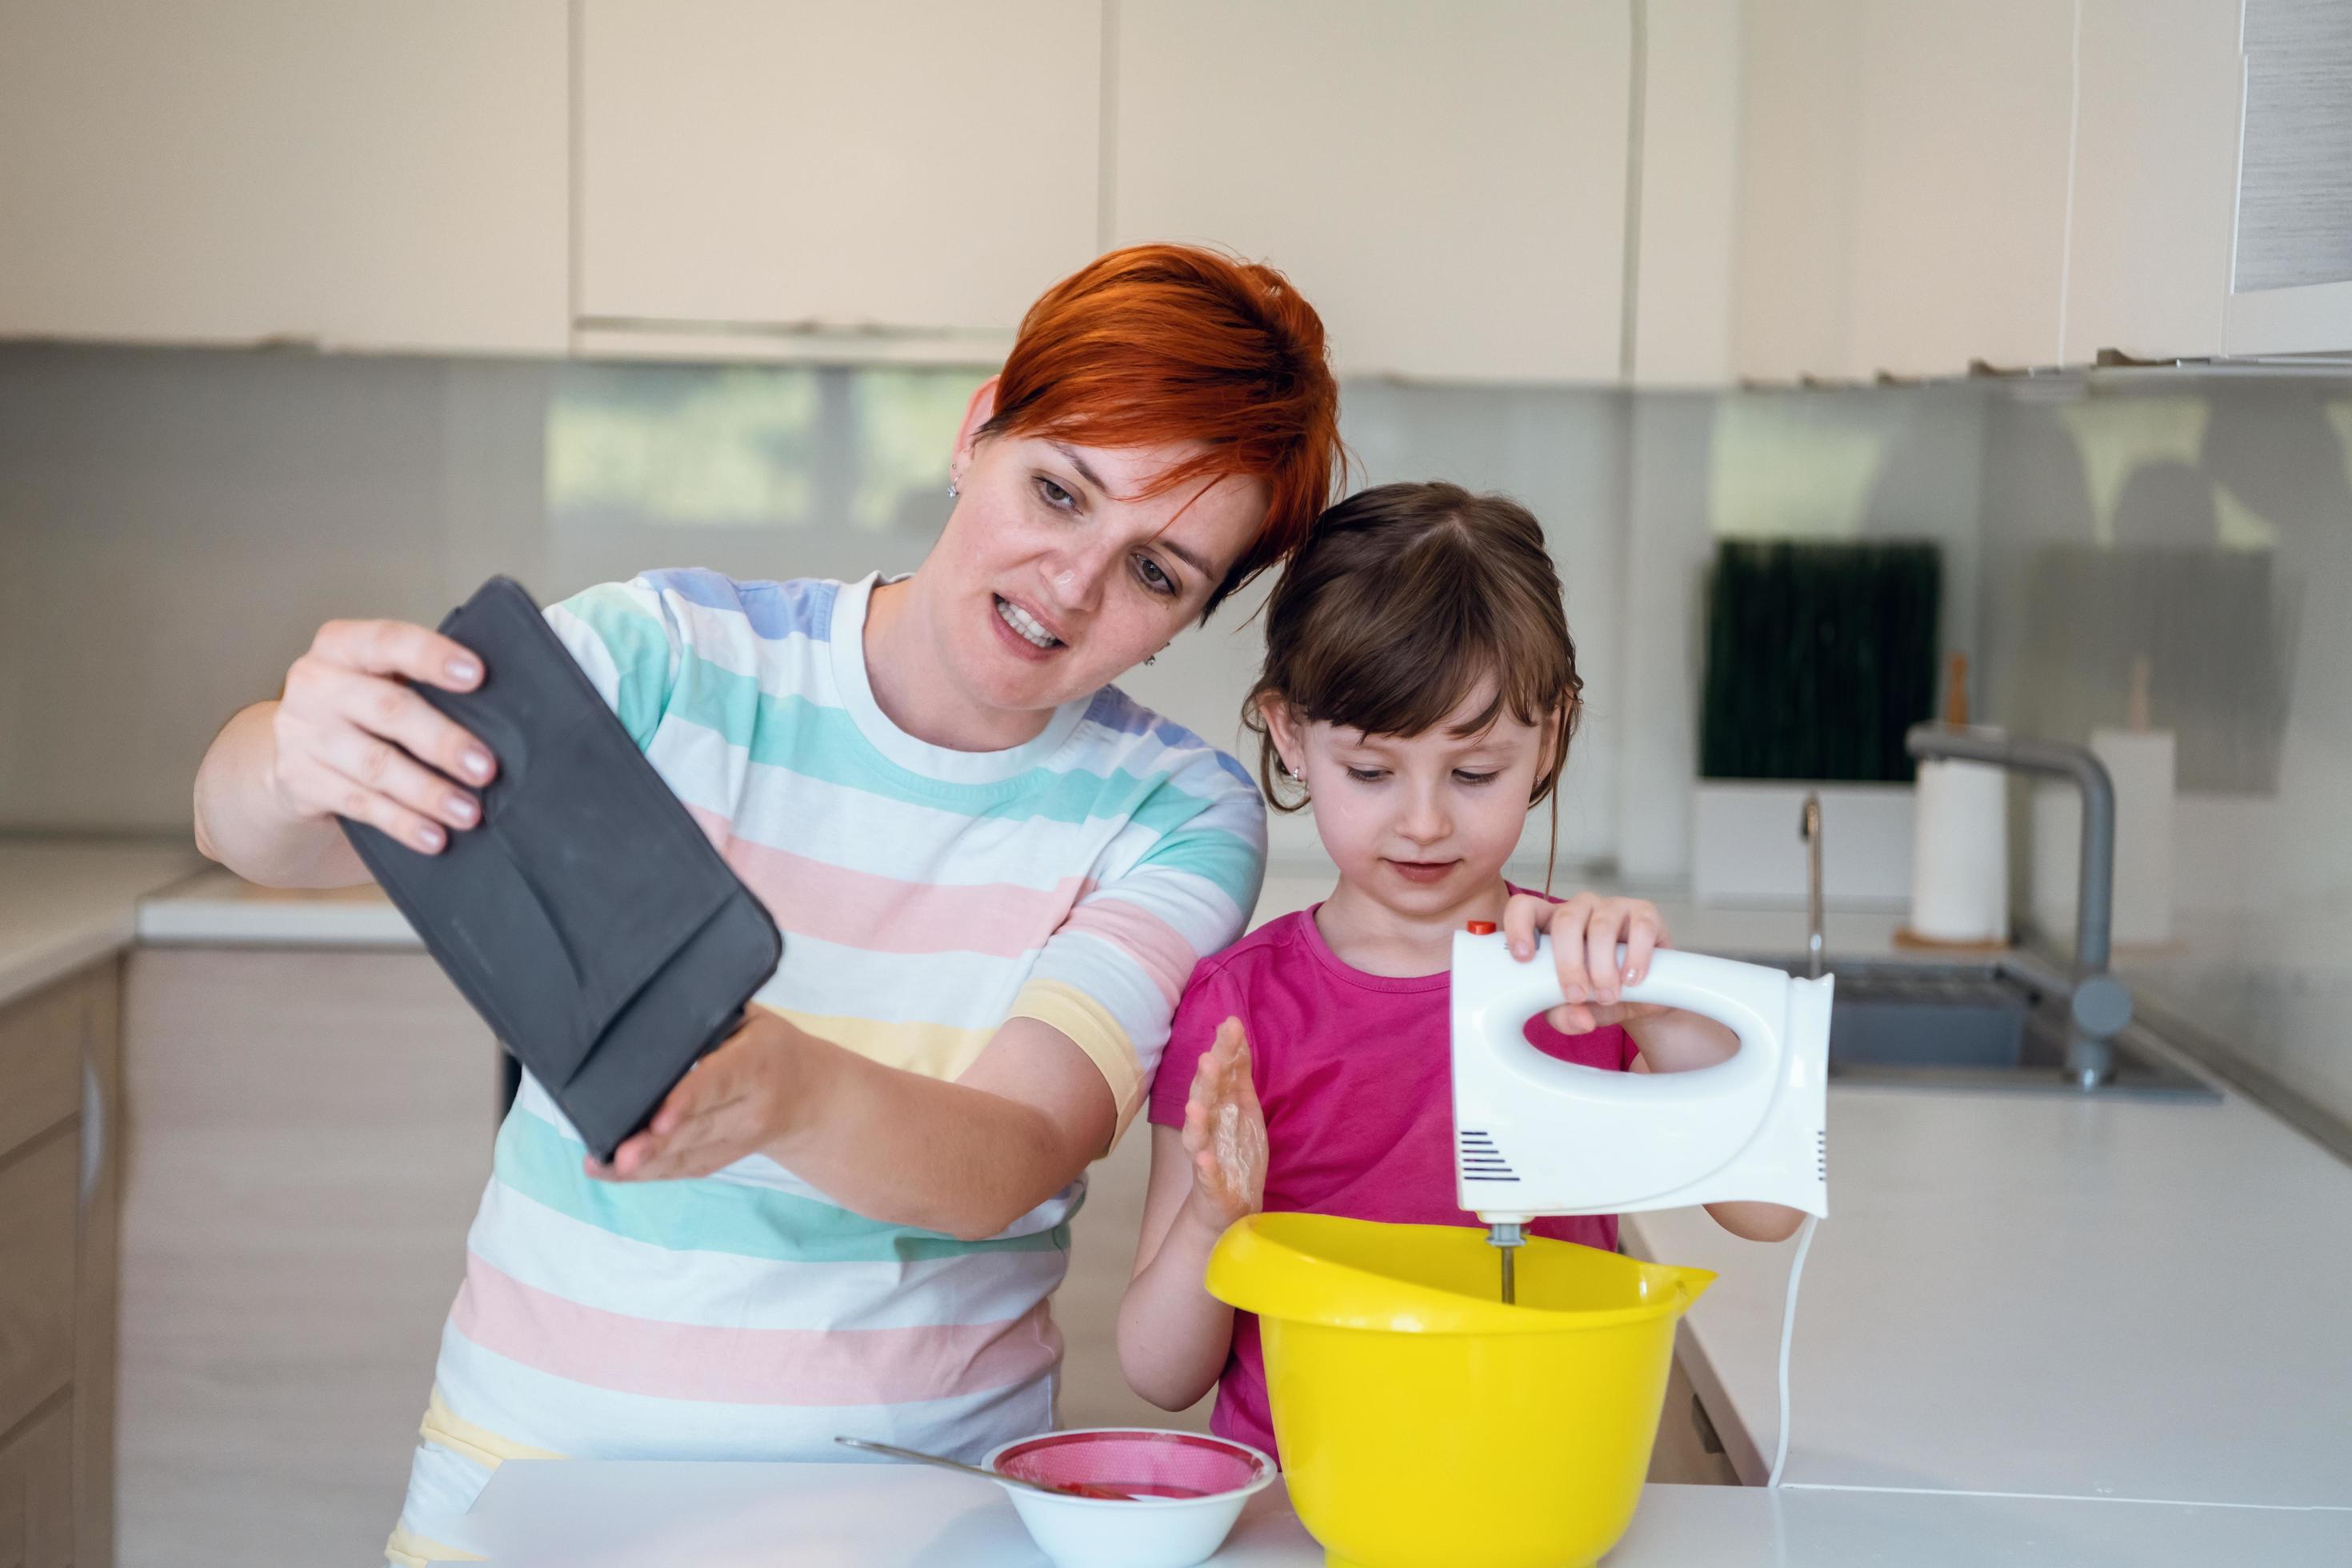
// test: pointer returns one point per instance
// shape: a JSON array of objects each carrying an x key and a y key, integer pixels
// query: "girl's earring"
[{"x": 951, "y": 488}]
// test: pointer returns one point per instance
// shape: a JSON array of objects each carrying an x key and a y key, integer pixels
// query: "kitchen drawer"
[
  {"x": 37, "y": 1492},
  {"x": 37, "y": 1273},
  {"x": 40, "y": 1061}
]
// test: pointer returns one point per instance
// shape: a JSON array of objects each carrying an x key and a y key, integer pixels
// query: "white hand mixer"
[{"x": 1535, "y": 1135}]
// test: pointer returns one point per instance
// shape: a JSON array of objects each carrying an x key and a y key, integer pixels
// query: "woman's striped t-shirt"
[{"x": 926, "y": 895}]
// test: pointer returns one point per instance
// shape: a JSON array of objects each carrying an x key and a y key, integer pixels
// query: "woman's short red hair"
[{"x": 1157, "y": 343}]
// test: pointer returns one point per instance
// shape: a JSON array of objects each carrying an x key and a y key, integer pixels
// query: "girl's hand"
[
  {"x": 1585, "y": 932},
  {"x": 349, "y": 739},
  {"x": 731, "y": 1103},
  {"x": 1224, "y": 1130}
]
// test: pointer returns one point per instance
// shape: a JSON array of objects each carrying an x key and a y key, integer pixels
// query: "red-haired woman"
[{"x": 993, "y": 870}]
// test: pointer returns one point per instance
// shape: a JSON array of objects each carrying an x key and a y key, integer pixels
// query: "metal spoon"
[{"x": 1053, "y": 1489}]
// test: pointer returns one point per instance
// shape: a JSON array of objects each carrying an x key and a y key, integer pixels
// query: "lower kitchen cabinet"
[
  {"x": 1687, "y": 1451},
  {"x": 57, "y": 1054},
  {"x": 309, "y": 1135}
]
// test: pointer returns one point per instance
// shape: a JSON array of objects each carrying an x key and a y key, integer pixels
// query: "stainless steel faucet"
[
  {"x": 1809, "y": 828},
  {"x": 2100, "y": 1006}
]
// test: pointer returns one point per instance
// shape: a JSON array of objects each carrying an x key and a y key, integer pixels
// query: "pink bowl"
[
  {"x": 1188, "y": 1491},
  {"x": 1142, "y": 1462}
]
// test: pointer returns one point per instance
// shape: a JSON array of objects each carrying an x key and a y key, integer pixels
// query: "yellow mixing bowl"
[{"x": 1422, "y": 1423}]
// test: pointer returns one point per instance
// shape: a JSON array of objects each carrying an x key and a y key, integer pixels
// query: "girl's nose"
[{"x": 1425, "y": 819}]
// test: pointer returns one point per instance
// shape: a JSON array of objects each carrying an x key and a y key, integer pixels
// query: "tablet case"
[{"x": 587, "y": 917}]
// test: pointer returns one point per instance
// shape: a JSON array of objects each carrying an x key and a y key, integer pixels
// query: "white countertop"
[
  {"x": 587, "y": 1514},
  {"x": 66, "y": 903},
  {"x": 2041, "y": 1294},
  {"x": 2015, "y": 1293}
]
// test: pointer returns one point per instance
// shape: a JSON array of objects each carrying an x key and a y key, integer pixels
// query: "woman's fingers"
[
  {"x": 319, "y": 791},
  {"x": 382, "y": 767},
  {"x": 399, "y": 647}
]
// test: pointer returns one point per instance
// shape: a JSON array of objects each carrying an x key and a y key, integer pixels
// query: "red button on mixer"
[{"x": 1482, "y": 927}]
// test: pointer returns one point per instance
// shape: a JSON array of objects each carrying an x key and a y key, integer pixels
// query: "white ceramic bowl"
[{"x": 1139, "y": 1532}]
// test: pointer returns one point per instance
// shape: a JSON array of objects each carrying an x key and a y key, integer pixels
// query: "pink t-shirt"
[{"x": 1354, "y": 1074}]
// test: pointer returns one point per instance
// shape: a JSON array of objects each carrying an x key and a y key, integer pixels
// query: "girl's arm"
[{"x": 1173, "y": 1336}]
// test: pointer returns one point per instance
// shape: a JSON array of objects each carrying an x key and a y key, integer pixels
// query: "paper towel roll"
[
  {"x": 2141, "y": 763},
  {"x": 1959, "y": 854}
]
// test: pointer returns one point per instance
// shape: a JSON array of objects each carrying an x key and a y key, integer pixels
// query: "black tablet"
[{"x": 587, "y": 917}]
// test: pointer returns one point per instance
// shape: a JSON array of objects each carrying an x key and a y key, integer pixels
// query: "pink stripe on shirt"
[
  {"x": 882, "y": 914},
  {"x": 748, "y": 1367},
  {"x": 1155, "y": 946}
]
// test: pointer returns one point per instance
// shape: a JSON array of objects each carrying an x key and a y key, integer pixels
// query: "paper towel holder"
[{"x": 2100, "y": 1006}]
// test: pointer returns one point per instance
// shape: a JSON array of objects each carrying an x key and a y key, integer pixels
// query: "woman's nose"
[{"x": 1076, "y": 577}]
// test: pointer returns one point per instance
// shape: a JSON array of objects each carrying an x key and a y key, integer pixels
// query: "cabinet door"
[
  {"x": 37, "y": 1273},
  {"x": 1959, "y": 200},
  {"x": 1685, "y": 248},
  {"x": 36, "y": 1487},
  {"x": 1445, "y": 184},
  {"x": 1799, "y": 101},
  {"x": 921, "y": 166},
  {"x": 387, "y": 177},
  {"x": 2156, "y": 164}
]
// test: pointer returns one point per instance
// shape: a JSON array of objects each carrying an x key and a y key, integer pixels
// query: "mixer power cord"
[{"x": 1788, "y": 1333}]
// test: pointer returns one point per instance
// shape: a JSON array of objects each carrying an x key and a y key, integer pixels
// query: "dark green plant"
[{"x": 1818, "y": 656}]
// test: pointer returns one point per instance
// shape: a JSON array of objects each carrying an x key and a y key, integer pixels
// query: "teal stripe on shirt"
[
  {"x": 538, "y": 1161},
  {"x": 641, "y": 651}
]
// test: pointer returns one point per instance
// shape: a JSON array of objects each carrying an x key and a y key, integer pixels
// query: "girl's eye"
[
  {"x": 1054, "y": 495},
  {"x": 1154, "y": 578},
  {"x": 1470, "y": 778},
  {"x": 1368, "y": 775}
]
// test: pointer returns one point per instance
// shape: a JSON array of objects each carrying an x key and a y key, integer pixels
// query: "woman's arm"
[
  {"x": 344, "y": 740},
  {"x": 967, "y": 1158},
  {"x": 1173, "y": 1336}
]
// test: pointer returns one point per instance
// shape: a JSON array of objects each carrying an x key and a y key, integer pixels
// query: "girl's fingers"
[
  {"x": 1521, "y": 916},
  {"x": 1601, "y": 937},
  {"x": 1568, "y": 954},
  {"x": 1645, "y": 936}
]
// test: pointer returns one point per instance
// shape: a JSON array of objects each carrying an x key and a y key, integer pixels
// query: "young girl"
[{"x": 1420, "y": 687}]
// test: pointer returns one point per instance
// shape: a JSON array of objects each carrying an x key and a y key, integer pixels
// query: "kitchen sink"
[{"x": 1999, "y": 1024}]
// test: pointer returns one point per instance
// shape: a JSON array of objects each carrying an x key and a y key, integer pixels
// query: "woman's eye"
[
  {"x": 1466, "y": 777},
  {"x": 1056, "y": 495},
  {"x": 1154, "y": 578}
]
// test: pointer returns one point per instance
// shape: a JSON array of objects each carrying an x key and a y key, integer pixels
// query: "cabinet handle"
[{"x": 93, "y": 1131}]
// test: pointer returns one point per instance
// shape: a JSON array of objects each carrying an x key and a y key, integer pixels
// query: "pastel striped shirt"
[{"x": 926, "y": 897}]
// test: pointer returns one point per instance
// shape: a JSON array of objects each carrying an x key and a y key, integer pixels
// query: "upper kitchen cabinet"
[
  {"x": 1686, "y": 221},
  {"x": 2291, "y": 282},
  {"x": 362, "y": 176},
  {"x": 1902, "y": 186},
  {"x": 1445, "y": 183},
  {"x": 792, "y": 176},
  {"x": 2156, "y": 150},
  {"x": 1960, "y": 195}
]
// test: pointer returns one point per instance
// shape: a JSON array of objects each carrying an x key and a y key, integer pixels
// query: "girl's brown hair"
[{"x": 1404, "y": 600}]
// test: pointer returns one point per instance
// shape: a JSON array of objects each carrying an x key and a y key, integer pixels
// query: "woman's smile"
[{"x": 1030, "y": 633}]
